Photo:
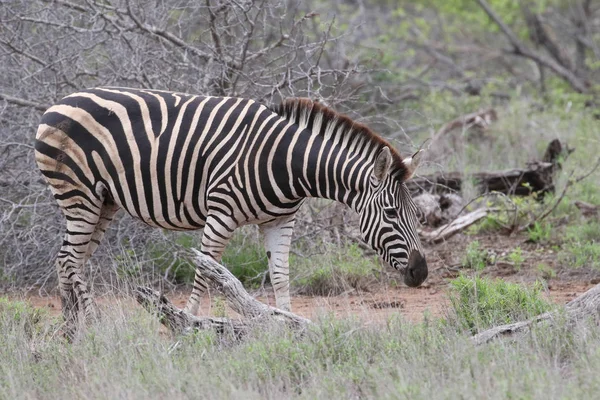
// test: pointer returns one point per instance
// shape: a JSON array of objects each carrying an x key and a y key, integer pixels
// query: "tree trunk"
[{"x": 537, "y": 177}]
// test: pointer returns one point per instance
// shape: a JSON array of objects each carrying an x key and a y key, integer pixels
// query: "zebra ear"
[
  {"x": 383, "y": 162},
  {"x": 412, "y": 163}
]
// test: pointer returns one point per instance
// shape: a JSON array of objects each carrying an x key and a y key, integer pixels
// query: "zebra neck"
[{"x": 332, "y": 169}]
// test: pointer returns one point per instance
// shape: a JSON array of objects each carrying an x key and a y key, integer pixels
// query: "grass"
[
  {"x": 337, "y": 271},
  {"x": 481, "y": 303},
  {"x": 540, "y": 232},
  {"x": 128, "y": 356},
  {"x": 475, "y": 257},
  {"x": 582, "y": 245},
  {"x": 516, "y": 257}
]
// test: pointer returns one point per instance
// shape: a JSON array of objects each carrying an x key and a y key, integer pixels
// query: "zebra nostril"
[{"x": 416, "y": 271}]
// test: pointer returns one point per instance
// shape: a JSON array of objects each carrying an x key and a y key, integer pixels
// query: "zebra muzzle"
[{"x": 416, "y": 271}]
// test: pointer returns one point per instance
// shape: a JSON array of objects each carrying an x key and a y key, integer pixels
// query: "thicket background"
[{"x": 403, "y": 67}]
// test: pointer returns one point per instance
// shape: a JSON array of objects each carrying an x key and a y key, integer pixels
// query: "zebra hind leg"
[
  {"x": 107, "y": 213},
  {"x": 85, "y": 229}
]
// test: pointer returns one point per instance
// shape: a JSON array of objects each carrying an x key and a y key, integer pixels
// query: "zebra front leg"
[
  {"x": 277, "y": 244},
  {"x": 214, "y": 239}
]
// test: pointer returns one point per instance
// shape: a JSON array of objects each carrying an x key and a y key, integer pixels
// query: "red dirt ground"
[
  {"x": 375, "y": 306},
  {"x": 384, "y": 300}
]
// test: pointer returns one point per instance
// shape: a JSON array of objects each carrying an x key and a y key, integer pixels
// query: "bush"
[
  {"x": 480, "y": 303},
  {"x": 177, "y": 267},
  {"x": 244, "y": 256}
]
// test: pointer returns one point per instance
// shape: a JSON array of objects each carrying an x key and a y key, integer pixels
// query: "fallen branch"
[
  {"x": 459, "y": 224},
  {"x": 179, "y": 321},
  {"x": 240, "y": 301},
  {"x": 586, "y": 208},
  {"x": 480, "y": 119},
  {"x": 586, "y": 306},
  {"x": 560, "y": 198},
  {"x": 536, "y": 178}
]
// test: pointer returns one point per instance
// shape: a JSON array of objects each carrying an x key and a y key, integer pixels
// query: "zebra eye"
[{"x": 391, "y": 212}]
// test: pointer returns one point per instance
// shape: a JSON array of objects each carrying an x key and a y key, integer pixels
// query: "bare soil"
[{"x": 385, "y": 299}]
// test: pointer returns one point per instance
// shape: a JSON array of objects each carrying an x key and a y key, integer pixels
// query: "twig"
[{"x": 23, "y": 102}]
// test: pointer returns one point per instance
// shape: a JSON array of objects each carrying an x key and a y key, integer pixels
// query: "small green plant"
[
  {"x": 539, "y": 232},
  {"x": 581, "y": 254},
  {"x": 516, "y": 257},
  {"x": 475, "y": 257},
  {"x": 480, "y": 303},
  {"x": 18, "y": 313},
  {"x": 546, "y": 271}
]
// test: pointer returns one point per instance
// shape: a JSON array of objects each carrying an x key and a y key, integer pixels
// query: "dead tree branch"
[
  {"x": 459, "y": 224},
  {"x": 23, "y": 102},
  {"x": 481, "y": 119},
  {"x": 240, "y": 301},
  {"x": 179, "y": 321}
]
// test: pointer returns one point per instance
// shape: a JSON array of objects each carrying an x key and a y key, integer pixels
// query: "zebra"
[{"x": 188, "y": 162}]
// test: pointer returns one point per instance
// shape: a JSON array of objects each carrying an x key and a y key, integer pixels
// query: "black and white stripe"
[{"x": 185, "y": 162}]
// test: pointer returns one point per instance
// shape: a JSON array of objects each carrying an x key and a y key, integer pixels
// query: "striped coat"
[{"x": 185, "y": 162}]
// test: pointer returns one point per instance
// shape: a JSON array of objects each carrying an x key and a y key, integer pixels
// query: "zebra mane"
[{"x": 305, "y": 112}]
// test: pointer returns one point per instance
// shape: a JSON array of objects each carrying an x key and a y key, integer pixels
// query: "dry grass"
[{"x": 129, "y": 356}]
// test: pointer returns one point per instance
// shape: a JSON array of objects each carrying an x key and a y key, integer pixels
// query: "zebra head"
[{"x": 388, "y": 222}]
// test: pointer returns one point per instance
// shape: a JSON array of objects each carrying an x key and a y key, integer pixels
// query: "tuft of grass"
[
  {"x": 22, "y": 315},
  {"x": 516, "y": 257},
  {"x": 480, "y": 303},
  {"x": 546, "y": 271},
  {"x": 475, "y": 257},
  {"x": 540, "y": 232},
  {"x": 335, "y": 272}
]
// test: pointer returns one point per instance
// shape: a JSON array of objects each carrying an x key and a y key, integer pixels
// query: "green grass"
[
  {"x": 127, "y": 356},
  {"x": 246, "y": 258},
  {"x": 540, "y": 232},
  {"x": 475, "y": 257},
  {"x": 338, "y": 270},
  {"x": 582, "y": 245},
  {"x": 480, "y": 303},
  {"x": 516, "y": 257}
]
